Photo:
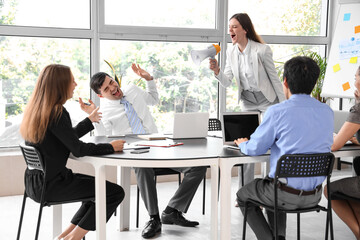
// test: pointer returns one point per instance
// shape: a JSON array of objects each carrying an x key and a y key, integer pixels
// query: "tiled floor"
[{"x": 313, "y": 224}]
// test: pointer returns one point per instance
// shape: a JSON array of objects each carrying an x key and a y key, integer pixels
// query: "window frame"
[{"x": 100, "y": 31}]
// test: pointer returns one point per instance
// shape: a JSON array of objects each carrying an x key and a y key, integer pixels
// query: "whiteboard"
[{"x": 344, "y": 58}]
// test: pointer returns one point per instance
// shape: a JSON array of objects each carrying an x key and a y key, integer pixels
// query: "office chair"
[
  {"x": 34, "y": 160},
  {"x": 158, "y": 172},
  {"x": 299, "y": 165},
  {"x": 339, "y": 162},
  {"x": 215, "y": 125},
  {"x": 355, "y": 163}
]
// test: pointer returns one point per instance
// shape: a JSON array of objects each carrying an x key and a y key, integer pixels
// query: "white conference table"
[
  {"x": 194, "y": 152},
  {"x": 227, "y": 162}
]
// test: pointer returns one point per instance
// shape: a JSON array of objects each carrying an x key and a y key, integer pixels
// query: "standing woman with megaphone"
[{"x": 250, "y": 61}]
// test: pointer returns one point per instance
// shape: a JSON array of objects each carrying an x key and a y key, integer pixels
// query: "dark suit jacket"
[{"x": 61, "y": 139}]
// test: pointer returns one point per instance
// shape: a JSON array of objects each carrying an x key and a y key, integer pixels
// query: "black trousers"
[{"x": 69, "y": 186}]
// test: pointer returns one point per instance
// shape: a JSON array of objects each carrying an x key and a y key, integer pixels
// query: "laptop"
[
  {"x": 236, "y": 125},
  {"x": 190, "y": 125}
]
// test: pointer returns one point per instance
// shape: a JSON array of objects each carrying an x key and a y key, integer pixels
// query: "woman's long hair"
[
  {"x": 45, "y": 104},
  {"x": 247, "y": 25}
]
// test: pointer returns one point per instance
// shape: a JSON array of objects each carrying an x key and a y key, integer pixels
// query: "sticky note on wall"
[
  {"x": 357, "y": 29},
  {"x": 353, "y": 60},
  {"x": 347, "y": 16},
  {"x": 346, "y": 86},
  {"x": 336, "y": 67}
]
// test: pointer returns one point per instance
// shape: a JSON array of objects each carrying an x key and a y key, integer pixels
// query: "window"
[
  {"x": 22, "y": 59},
  {"x": 284, "y": 17},
  {"x": 45, "y": 13},
  {"x": 161, "y": 13},
  {"x": 182, "y": 86},
  {"x": 158, "y": 35}
]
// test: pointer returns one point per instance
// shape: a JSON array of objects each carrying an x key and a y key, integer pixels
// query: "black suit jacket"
[{"x": 61, "y": 139}]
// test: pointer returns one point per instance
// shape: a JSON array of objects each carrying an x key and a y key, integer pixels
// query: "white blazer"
[{"x": 264, "y": 71}]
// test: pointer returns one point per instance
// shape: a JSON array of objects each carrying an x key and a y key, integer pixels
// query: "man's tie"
[{"x": 134, "y": 120}]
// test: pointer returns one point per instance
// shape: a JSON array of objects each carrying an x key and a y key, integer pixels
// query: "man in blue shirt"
[{"x": 301, "y": 124}]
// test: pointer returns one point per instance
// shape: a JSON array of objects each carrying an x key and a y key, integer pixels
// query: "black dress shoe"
[
  {"x": 151, "y": 228},
  {"x": 178, "y": 219}
]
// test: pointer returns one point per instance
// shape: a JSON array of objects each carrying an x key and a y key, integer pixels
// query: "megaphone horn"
[{"x": 199, "y": 55}]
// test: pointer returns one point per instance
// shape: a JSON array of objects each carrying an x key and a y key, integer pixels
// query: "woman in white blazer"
[{"x": 250, "y": 61}]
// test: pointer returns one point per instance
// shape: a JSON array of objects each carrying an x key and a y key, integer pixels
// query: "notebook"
[
  {"x": 190, "y": 125},
  {"x": 236, "y": 125}
]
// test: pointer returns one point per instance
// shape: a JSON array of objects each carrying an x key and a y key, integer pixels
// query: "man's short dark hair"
[
  {"x": 301, "y": 74},
  {"x": 97, "y": 81}
]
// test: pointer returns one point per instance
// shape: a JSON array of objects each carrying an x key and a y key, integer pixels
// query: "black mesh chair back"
[
  {"x": 33, "y": 160},
  {"x": 304, "y": 165},
  {"x": 299, "y": 165},
  {"x": 214, "y": 124}
]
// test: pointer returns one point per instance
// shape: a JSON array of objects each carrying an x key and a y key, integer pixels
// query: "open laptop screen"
[
  {"x": 190, "y": 125},
  {"x": 239, "y": 125}
]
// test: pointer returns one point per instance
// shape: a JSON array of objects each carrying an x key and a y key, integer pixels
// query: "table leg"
[
  {"x": 57, "y": 220},
  {"x": 214, "y": 201},
  {"x": 265, "y": 168},
  {"x": 225, "y": 200},
  {"x": 100, "y": 201},
  {"x": 124, "y": 213}
]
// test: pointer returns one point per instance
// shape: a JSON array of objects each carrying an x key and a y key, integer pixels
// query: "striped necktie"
[{"x": 134, "y": 120}]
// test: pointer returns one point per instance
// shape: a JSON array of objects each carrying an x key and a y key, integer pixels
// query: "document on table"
[
  {"x": 132, "y": 146},
  {"x": 159, "y": 143}
]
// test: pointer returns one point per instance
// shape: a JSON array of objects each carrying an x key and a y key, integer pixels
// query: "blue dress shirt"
[{"x": 300, "y": 124}]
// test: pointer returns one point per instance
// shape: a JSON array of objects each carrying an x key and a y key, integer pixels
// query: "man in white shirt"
[{"x": 116, "y": 121}]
